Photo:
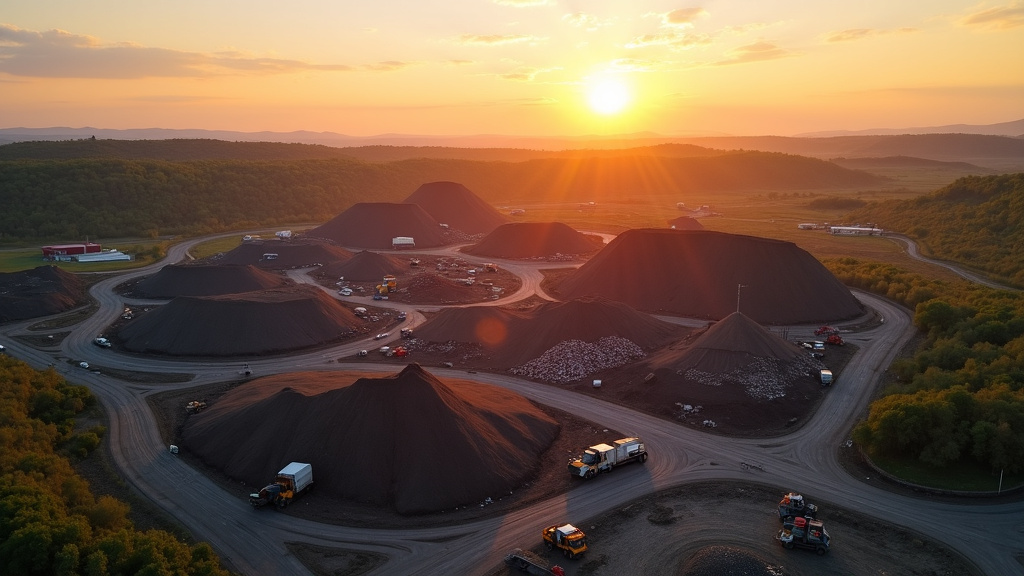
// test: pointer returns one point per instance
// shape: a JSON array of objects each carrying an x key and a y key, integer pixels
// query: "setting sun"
[{"x": 608, "y": 96}]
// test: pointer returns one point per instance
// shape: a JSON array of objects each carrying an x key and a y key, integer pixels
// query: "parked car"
[
  {"x": 381, "y": 336},
  {"x": 345, "y": 291}
]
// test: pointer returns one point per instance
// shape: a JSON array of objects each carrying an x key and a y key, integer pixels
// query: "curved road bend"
[
  {"x": 911, "y": 247},
  {"x": 253, "y": 543}
]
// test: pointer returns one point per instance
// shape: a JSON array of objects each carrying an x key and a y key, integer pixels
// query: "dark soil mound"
[
  {"x": 734, "y": 361},
  {"x": 284, "y": 254},
  {"x": 534, "y": 240},
  {"x": 407, "y": 440},
  {"x": 455, "y": 205},
  {"x": 366, "y": 266},
  {"x": 241, "y": 324},
  {"x": 726, "y": 561},
  {"x": 39, "y": 292},
  {"x": 685, "y": 223},
  {"x": 513, "y": 337},
  {"x": 696, "y": 273},
  {"x": 207, "y": 280},
  {"x": 375, "y": 224}
]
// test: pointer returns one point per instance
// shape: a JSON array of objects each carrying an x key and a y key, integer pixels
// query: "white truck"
[
  {"x": 826, "y": 377},
  {"x": 604, "y": 457},
  {"x": 293, "y": 479}
]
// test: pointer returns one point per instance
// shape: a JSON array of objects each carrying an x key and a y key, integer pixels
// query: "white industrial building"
[{"x": 854, "y": 231}]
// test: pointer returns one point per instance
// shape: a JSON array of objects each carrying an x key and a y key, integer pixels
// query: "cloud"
[
  {"x": 61, "y": 54},
  {"x": 861, "y": 33},
  {"x": 1000, "y": 18},
  {"x": 683, "y": 17},
  {"x": 387, "y": 66},
  {"x": 673, "y": 39},
  {"x": 635, "y": 65},
  {"x": 523, "y": 3},
  {"x": 581, "y": 20},
  {"x": 495, "y": 39},
  {"x": 756, "y": 52},
  {"x": 525, "y": 73}
]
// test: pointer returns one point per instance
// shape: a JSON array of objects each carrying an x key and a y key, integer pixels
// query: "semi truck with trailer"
[
  {"x": 604, "y": 457},
  {"x": 292, "y": 480}
]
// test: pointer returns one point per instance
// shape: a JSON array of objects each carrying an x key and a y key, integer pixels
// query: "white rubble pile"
[
  {"x": 572, "y": 360},
  {"x": 762, "y": 379}
]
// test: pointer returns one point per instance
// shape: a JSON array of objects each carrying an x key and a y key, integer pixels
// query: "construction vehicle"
[
  {"x": 293, "y": 479},
  {"x": 834, "y": 339},
  {"x": 195, "y": 406},
  {"x": 806, "y": 533},
  {"x": 526, "y": 561},
  {"x": 604, "y": 457},
  {"x": 826, "y": 377},
  {"x": 567, "y": 538},
  {"x": 826, "y": 331},
  {"x": 792, "y": 506},
  {"x": 406, "y": 332}
]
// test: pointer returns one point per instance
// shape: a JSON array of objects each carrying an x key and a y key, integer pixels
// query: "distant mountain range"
[
  {"x": 986, "y": 146},
  {"x": 1015, "y": 129},
  {"x": 1012, "y": 129}
]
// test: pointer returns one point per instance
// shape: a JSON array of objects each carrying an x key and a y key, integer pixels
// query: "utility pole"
[{"x": 738, "y": 286}]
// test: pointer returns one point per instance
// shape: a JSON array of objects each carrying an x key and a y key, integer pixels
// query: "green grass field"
[{"x": 964, "y": 477}]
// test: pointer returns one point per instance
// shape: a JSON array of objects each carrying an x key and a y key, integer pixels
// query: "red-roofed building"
[{"x": 65, "y": 251}]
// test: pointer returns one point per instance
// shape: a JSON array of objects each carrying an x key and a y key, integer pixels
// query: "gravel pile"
[
  {"x": 574, "y": 359},
  {"x": 762, "y": 379}
]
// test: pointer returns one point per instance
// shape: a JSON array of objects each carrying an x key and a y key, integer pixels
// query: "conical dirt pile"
[
  {"x": 514, "y": 337},
  {"x": 207, "y": 280},
  {"x": 366, "y": 266},
  {"x": 284, "y": 254},
  {"x": 408, "y": 440},
  {"x": 243, "y": 324},
  {"x": 696, "y": 273},
  {"x": 733, "y": 357},
  {"x": 685, "y": 223},
  {"x": 41, "y": 291},
  {"x": 534, "y": 240},
  {"x": 455, "y": 205},
  {"x": 374, "y": 224}
]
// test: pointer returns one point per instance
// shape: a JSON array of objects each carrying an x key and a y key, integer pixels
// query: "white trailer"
[
  {"x": 403, "y": 242},
  {"x": 604, "y": 457}
]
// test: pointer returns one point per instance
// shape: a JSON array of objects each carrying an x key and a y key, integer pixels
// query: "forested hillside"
[
  {"x": 976, "y": 221},
  {"x": 50, "y": 522},
  {"x": 116, "y": 197},
  {"x": 960, "y": 400}
]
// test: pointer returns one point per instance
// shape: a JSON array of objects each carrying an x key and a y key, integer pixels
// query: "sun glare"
[{"x": 608, "y": 96}]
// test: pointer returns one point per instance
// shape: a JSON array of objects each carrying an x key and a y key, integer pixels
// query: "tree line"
[
  {"x": 71, "y": 198},
  {"x": 50, "y": 521},
  {"x": 960, "y": 397},
  {"x": 975, "y": 221}
]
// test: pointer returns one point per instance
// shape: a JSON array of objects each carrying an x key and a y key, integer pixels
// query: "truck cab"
[{"x": 567, "y": 538}]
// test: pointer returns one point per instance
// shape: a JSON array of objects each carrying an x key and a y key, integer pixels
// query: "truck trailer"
[
  {"x": 604, "y": 457},
  {"x": 292, "y": 480}
]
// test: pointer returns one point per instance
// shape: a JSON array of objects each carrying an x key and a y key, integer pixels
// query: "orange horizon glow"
[{"x": 515, "y": 67}]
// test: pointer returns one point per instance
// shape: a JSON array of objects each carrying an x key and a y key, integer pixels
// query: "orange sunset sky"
[{"x": 516, "y": 67}]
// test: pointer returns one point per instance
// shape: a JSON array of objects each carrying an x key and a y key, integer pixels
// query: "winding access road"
[{"x": 991, "y": 536}]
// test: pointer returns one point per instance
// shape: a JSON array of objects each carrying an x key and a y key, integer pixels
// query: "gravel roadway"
[{"x": 988, "y": 536}]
